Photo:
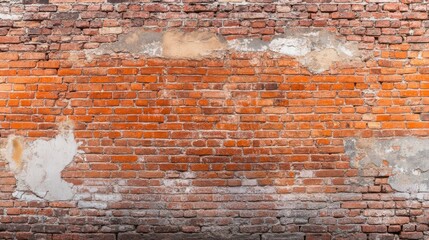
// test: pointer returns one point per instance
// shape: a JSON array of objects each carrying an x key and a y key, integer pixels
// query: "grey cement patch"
[
  {"x": 137, "y": 42},
  {"x": 248, "y": 45},
  {"x": 316, "y": 50},
  {"x": 407, "y": 156},
  {"x": 37, "y": 166}
]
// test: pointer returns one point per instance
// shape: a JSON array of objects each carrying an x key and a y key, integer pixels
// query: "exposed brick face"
[{"x": 247, "y": 146}]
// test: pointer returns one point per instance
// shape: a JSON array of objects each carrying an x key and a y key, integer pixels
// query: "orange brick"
[
  {"x": 23, "y": 125},
  {"x": 69, "y": 72},
  {"x": 8, "y": 56},
  {"x": 124, "y": 158}
]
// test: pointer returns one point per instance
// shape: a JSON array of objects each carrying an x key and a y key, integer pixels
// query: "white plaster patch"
[
  {"x": 37, "y": 166},
  {"x": 92, "y": 204},
  {"x": 247, "y": 45},
  {"x": 295, "y": 47},
  {"x": 114, "y": 197},
  {"x": 153, "y": 49},
  {"x": 316, "y": 50}
]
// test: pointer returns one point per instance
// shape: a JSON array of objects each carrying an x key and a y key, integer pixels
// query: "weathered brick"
[{"x": 247, "y": 144}]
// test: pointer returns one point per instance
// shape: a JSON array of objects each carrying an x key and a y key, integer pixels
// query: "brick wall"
[{"x": 241, "y": 145}]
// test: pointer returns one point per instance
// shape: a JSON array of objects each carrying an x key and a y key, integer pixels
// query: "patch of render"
[
  {"x": 137, "y": 42},
  {"x": 37, "y": 166},
  {"x": 407, "y": 156},
  {"x": 317, "y": 50},
  {"x": 248, "y": 45},
  {"x": 169, "y": 44},
  {"x": 194, "y": 45}
]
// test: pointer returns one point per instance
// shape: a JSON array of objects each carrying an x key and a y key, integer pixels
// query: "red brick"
[
  {"x": 124, "y": 158},
  {"x": 374, "y": 229},
  {"x": 9, "y": 39},
  {"x": 411, "y": 235},
  {"x": 354, "y": 205},
  {"x": 8, "y": 56},
  {"x": 390, "y": 39}
]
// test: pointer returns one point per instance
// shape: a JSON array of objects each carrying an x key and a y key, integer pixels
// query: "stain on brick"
[
  {"x": 315, "y": 49},
  {"x": 17, "y": 150},
  {"x": 424, "y": 116}
]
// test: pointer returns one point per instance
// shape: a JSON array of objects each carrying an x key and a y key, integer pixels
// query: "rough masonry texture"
[{"x": 202, "y": 119}]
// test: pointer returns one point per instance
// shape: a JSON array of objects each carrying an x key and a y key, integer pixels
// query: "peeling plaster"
[
  {"x": 316, "y": 50},
  {"x": 10, "y": 16},
  {"x": 407, "y": 156},
  {"x": 319, "y": 61},
  {"x": 194, "y": 45},
  {"x": 295, "y": 47},
  {"x": 37, "y": 166}
]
